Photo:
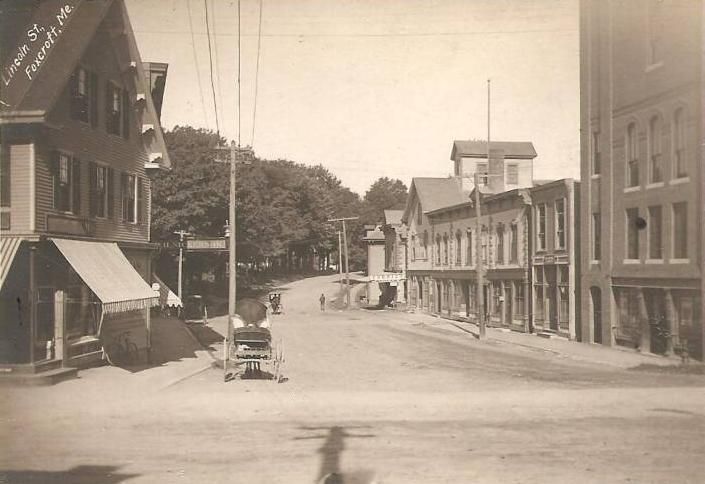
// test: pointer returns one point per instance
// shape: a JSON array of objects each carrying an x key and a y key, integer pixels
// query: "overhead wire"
[
  {"x": 259, "y": 48},
  {"x": 239, "y": 37},
  {"x": 217, "y": 56},
  {"x": 195, "y": 61},
  {"x": 210, "y": 60}
]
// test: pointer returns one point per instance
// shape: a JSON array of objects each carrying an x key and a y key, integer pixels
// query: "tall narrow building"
[{"x": 641, "y": 101}]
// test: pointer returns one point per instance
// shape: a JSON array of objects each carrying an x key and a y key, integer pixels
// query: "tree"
[{"x": 384, "y": 194}]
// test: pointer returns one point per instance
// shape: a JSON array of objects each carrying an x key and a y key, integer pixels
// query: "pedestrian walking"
[{"x": 322, "y": 299}]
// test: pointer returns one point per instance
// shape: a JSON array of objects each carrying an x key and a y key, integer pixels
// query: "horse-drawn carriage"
[
  {"x": 275, "y": 300},
  {"x": 252, "y": 342}
]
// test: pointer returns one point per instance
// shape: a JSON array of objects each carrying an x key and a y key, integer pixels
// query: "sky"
[{"x": 372, "y": 88}]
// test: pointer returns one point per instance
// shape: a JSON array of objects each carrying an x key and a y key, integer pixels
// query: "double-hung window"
[
  {"x": 541, "y": 227},
  {"x": 632, "y": 155},
  {"x": 632, "y": 233},
  {"x": 680, "y": 167},
  {"x": 655, "y": 233},
  {"x": 655, "y": 158},
  {"x": 67, "y": 186},
  {"x": 560, "y": 223}
]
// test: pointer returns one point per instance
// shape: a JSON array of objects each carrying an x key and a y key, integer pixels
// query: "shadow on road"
[
  {"x": 75, "y": 475},
  {"x": 331, "y": 450}
]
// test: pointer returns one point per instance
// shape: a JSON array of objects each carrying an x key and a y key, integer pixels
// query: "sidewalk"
[{"x": 590, "y": 353}]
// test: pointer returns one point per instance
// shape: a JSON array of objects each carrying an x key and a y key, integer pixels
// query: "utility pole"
[
  {"x": 340, "y": 261},
  {"x": 181, "y": 234},
  {"x": 478, "y": 227},
  {"x": 479, "y": 264},
  {"x": 237, "y": 155},
  {"x": 347, "y": 266}
]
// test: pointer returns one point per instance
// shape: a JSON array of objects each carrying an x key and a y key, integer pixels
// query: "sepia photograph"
[{"x": 352, "y": 241}]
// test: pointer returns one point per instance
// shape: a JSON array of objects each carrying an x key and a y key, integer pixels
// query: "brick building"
[{"x": 642, "y": 171}]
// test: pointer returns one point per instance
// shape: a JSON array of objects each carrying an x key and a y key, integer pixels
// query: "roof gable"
[
  {"x": 433, "y": 193},
  {"x": 478, "y": 149},
  {"x": 36, "y": 71}
]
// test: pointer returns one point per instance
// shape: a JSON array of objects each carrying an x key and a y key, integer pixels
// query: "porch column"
[
  {"x": 60, "y": 352},
  {"x": 645, "y": 340},
  {"x": 672, "y": 319}
]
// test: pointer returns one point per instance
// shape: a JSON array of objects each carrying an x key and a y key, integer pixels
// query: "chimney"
[
  {"x": 156, "y": 78},
  {"x": 496, "y": 171}
]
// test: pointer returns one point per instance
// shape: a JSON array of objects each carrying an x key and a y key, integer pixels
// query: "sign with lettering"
[
  {"x": 34, "y": 46},
  {"x": 206, "y": 244}
]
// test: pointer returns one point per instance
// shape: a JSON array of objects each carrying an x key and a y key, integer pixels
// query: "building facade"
[
  {"x": 81, "y": 140},
  {"x": 501, "y": 238},
  {"x": 555, "y": 258},
  {"x": 642, "y": 171}
]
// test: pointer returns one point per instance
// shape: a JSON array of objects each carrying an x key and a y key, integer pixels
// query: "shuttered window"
[
  {"x": 128, "y": 187},
  {"x": 83, "y": 87}
]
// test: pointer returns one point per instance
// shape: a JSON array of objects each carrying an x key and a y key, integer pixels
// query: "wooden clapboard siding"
[
  {"x": 20, "y": 159},
  {"x": 90, "y": 142}
]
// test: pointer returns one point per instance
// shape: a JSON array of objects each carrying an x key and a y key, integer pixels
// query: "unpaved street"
[{"x": 373, "y": 396}]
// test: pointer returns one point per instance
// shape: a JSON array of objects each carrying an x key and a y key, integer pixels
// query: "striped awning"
[
  {"x": 106, "y": 270},
  {"x": 8, "y": 250}
]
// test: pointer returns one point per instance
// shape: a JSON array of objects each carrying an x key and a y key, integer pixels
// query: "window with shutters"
[
  {"x": 84, "y": 96},
  {"x": 129, "y": 197},
  {"x": 67, "y": 175},
  {"x": 469, "y": 248}
]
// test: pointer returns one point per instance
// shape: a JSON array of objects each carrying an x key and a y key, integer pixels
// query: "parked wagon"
[{"x": 252, "y": 344}]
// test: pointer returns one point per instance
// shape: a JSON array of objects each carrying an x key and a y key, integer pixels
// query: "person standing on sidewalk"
[{"x": 322, "y": 299}]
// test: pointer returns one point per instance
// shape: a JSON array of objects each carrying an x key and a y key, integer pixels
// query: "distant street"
[{"x": 373, "y": 396}]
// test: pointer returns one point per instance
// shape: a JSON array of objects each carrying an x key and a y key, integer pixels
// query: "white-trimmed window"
[
  {"x": 596, "y": 236},
  {"x": 541, "y": 227},
  {"x": 680, "y": 162},
  {"x": 84, "y": 93},
  {"x": 655, "y": 232},
  {"x": 680, "y": 230},
  {"x": 632, "y": 217},
  {"x": 655, "y": 157},
  {"x": 632, "y": 156},
  {"x": 560, "y": 223},
  {"x": 500, "y": 245}
]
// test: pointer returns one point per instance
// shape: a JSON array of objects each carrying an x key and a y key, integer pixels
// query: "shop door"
[
  {"x": 551, "y": 300},
  {"x": 658, "y": 323},
  {"x": 596, "y": 296}
]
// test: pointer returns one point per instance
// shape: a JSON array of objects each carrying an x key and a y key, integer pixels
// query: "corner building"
[{"x": 642, "y": 177}]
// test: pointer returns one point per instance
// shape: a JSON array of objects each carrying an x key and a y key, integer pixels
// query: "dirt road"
[{"x": 370, "y": 396}]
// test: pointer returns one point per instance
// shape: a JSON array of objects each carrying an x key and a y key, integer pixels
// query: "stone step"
[
  {"x": 30, "y": 368},
  {"x": 49, "y": 377}
]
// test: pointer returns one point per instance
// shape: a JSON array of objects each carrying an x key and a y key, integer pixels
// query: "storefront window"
[
  {"x": 539, "y": 291},
  {"x": 563, "y": 289},
  {"x": 627, "y": 333}
]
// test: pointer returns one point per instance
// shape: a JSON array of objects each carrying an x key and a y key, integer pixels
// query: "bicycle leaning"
[{"x": 122, "y": 350}]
